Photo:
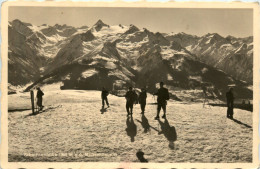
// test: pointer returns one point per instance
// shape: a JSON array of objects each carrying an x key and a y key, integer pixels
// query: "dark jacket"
[
  {"x": 162, "y": 94},
  {"x": 142, "y": 97},
  {"x": 39, "y": 94},
  {"x": 131, "y": 96},
  {"x": 104, "y": 93},
  {"x": 230, "y": 97}
]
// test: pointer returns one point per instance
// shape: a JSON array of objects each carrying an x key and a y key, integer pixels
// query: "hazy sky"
[{"x": 236, "y": 22}]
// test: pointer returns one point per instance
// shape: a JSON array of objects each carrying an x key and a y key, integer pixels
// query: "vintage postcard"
[{"x": 129, "y": 85}]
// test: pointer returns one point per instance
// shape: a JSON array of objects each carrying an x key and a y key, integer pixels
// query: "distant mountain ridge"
[
  {"x": 118, "y": 56},
  {"x": 230, "y": 54}
]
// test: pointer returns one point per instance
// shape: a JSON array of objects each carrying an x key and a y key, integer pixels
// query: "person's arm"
[{"x": 156, "y": 93}]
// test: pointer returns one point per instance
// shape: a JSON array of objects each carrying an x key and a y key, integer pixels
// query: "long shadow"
[
  {"x": 145, "y": 124},
  {"x": 169, "y": 132},
  {"x": 19, "y": 110},
  {"x": 33, "y": 114},
  {"x": 239, "y": 122},
  {"x": 131, "y": 129},
  {"x": 103, "y": 110},
  {"x": 40, "y": 111},
  {"x": 238, "y": 106},
  {"x": 49, "y": 108}
]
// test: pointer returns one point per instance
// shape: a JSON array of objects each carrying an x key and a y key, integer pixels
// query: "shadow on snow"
[{"x": 131, "y": 129}]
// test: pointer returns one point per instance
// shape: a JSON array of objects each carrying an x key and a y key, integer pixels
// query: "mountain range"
[{"x": 119, "y": 56}]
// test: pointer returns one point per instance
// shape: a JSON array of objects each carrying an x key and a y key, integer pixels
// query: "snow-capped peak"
[
  {"x": 100, "y": 22},
  {"x": 132, "y": 29},
  {"x": 99, "y": 25}
]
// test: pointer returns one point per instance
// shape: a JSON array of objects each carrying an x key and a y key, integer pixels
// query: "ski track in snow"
[{"x": 72, "y": 122}]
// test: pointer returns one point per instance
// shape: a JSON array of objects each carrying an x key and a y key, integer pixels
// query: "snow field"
[{"x": 73, "y": 122}]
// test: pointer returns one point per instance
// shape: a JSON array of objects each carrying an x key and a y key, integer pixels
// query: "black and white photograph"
[{"x": 131, "y": 85}]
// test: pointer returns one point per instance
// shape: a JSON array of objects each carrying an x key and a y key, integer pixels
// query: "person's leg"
[
  {"x": 231, "y": 111},
  {"x": 40, "y": 103},
  {"x": 227, "y": 111},
  {"x": 131, "y": 108},
  {"x": 158, "y": 110},
  {"x": 107, "y": 102},
  {"x": 164, "y": 110},
  {"x": 230, "y": 114},
  {"x": 143, "y": 107},
  {"x": 127, "y": 108},
  {"x": 103, "y": 104}
]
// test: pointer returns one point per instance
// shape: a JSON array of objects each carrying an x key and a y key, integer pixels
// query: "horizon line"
[{"x": 135, "y": 26}]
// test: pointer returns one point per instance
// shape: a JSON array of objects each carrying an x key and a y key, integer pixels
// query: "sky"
[{"x": 235, "y": 22}]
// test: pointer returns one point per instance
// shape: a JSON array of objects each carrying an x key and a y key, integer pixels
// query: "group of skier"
[
  {"x": 162, "y": 97},
  {"x": 132, "y": 98}
]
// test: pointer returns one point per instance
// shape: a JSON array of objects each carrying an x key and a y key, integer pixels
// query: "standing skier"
[
  {"x": 230, "y": 103},
  {"x": 142, "y": 99},
  {"x": 104, "y": 95},
  {"x": 204, "y": 89},
  {"x": 130, "y": 100},
  {"x": 39, "y": 98},
  {"x": 162, "y": 97}
]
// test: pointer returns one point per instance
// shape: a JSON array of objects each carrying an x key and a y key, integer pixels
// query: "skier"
[
  {"x": 104, "y": 95},
  {"x": 204, "y": 89},
  {"x": 130, "y": 100},
  {"x": 39, "y": 98},
  {"x": 142, "y": 99},
  {"x": 163, "y": 96},
  {"x": 230, "y": 103}
]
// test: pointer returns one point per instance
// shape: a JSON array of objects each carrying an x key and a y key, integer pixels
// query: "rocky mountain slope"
[
  {"x": 232, "y": 55},
  {"x": 32, "y": 47},
  {"x": 118, "y": 56}
]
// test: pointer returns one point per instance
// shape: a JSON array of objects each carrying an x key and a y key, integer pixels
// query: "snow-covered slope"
[{"x": 191, "y": 133}]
